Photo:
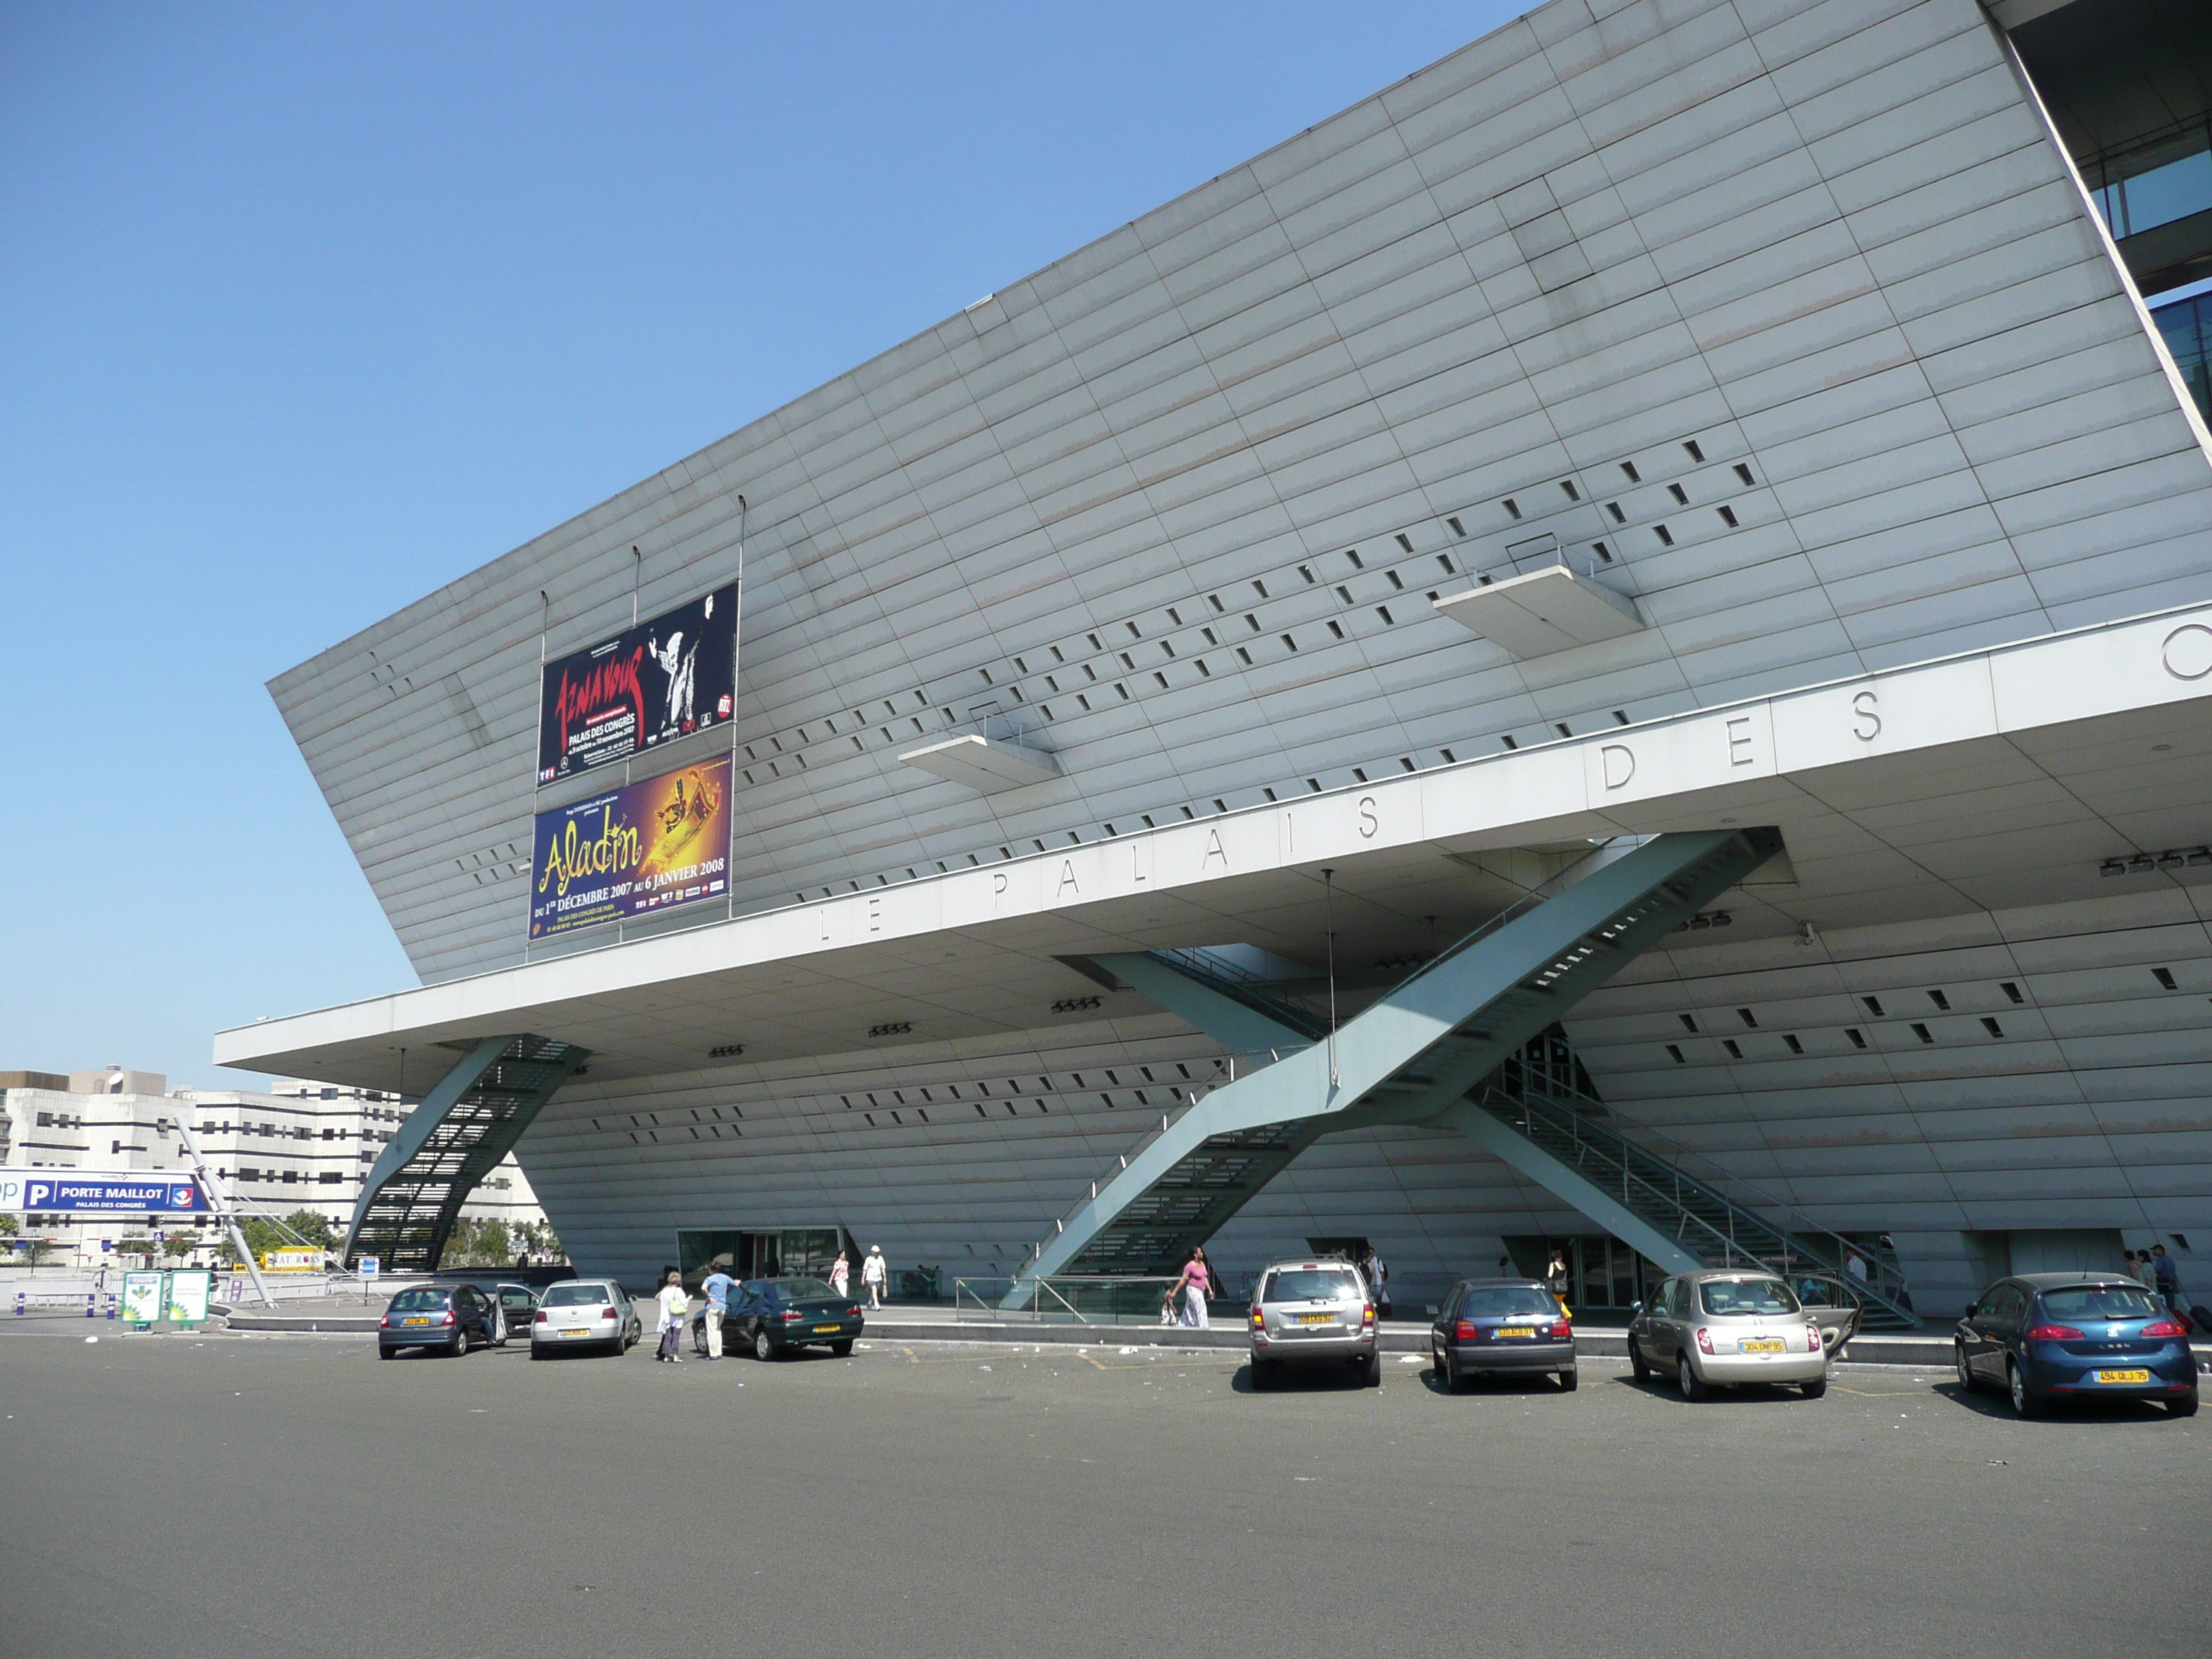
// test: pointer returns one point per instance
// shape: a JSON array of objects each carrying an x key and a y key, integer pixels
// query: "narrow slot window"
[
  {"x": 1261, "y": 588},
  {"x": 1336, "y": 627},
  {"x": 1289, "y": 643},
  {"x": 1727, "y": 516},
  {"x": 1991, "y": 1025},
  {"x": 1602, "y": 552},
  {"x": 1568, "y": 485},
  {"x": 1681, "y": 496},
  {"x": 2165, "y": 977},
  {"x": 1560, "y": 726},
  {"x": 1735, "y": 1051},
  {"x": 1204, "y": 672},
  {"x": 1873, "y": 1006},
  {"x": 1923, "y": 1032},
  {"x": 1449, "y": 760},
  {"x": 1628, "y": 470},
  {"x": 1244, "y": 656},
  {"x": 1214, "y": 599},
  {"x": 1382, "y": 610},
  {"x": 1314, "y": 785},
  {"x": 1161, "y": 678},
  {"x": 1619, "y": 516},
  {"x": 1405, "y": 541},
  {"x": 1508, "y": 740},
  {"x": 1397, "y": 582},
  {"x": 1353, "y": 553},
  {"x": 1742, "y": 473},
  {"x": 1620, "y": 717},
  {"x": 1450, "y": 568},
  {"x": 1940, "y": 1000},
  {"x": 1689, "y": 1023},
  {"x": 1344, "y": 593},
  {"x": 1696, "y": 453},
  {"x": 1512, "y": 507},
  {"x": 1794, "y": 1046},
  {"x": 1455, "y": 526},
  {"x": 1666, "y": 536},
  {"x": 1674, "y": 1052},
  {"x": 1748, "y": 1018},
  {"x": 1251, "y": 622},
  {"x": 1132, "y": 627},
  {"x": 1857, "y": 1037},
  {"x": 1305, "y": 570},
  {"x": 2012, "y": 992}
]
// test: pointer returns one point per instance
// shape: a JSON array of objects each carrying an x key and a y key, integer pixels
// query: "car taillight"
[
  {"x": 1704, "y": 1341},
  {"x": 1467, "y": 1332},
  {"x": 1367, "y": 1315},
  {"x": 447, "y": 1317},
  {"x": 2053, "y": 1334},
  {"x": 853, "y": 1312},
  {"x": 1258, "y": 1319},
  {"x": 2165, "y": 1328},
  {"x": 792, "y": 1313},
  {"x": 1563, "y": 1329},
  {"x": 539, "y": 1318},
  {"x": 387, "y": 1322},
  {"x": 606, "y": 1313}
]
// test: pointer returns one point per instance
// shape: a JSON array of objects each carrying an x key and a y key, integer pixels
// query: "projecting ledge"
[
  {"x": 1545, "y": 610},
  {"x": 975, "y": 763}
]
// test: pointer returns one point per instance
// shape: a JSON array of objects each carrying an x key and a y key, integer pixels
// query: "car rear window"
[
  {"x": 573, "y": 1296},
  {"x": 802, "y": 1290},
  {"x": 2100, "y": 1302},
  {"x": 1724, "y": 1297},
  {"x": 1509, "y": 1302},
  {"x": 420, "y": 1298},
  {"x": 1311, "y": 1285}
]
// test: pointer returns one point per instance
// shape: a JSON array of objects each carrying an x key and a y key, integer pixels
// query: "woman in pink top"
[{"x": 1194, "y": 1287}]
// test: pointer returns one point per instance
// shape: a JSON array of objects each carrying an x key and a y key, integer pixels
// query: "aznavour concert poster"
[
  {"x": 646, "y": 847},
  {"x": 653, "y": 682}
]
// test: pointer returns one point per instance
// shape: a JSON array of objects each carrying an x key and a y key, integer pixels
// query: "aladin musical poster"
[{"x": 644, "y": 847}]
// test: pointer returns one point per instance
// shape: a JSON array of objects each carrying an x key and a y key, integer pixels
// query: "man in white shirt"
[{"x": 875, "y": 1273}]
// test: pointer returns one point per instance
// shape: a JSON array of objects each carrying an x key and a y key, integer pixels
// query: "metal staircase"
[
  {"x": 1532, "y": 1097},
  {"x": 450, "y": 1142},
  {"x": 1410, "y": 1057}
]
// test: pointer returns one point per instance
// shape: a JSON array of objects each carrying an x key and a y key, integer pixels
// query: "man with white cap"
[{"x": 876, "y": 1275}]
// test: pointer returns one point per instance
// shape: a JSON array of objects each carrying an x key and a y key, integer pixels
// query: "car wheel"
[
  {"x": 1370, "y": 1376},
  {"x": 537, "y": 1353},
  {"x": 1637, "y": 1363},
  {"x": 1815, "y": 1389},
  {"x": 1263, "y": 1376},
  {"x": 2183, "y": 1407},
  {"x": 1448, "y": 1368},
  {"x": 461, "y": 1342},
  {"x": 841, "y": 1346},
  {"x": 621, "y": 1347},
  {"x": 385, "y": 1353},
  {"x": 762, "y": 1348},
  {"x": 2025, "y": 1399},
  {"x": 1570, "y": 1381},
  {"x": 1967, "y": 1381},
  {"x": 1687, "y": 1379}
]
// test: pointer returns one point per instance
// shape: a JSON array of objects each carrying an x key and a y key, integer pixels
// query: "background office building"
[{"x": 1657, "y": 572}]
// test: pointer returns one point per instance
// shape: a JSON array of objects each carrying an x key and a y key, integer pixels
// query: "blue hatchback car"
[{"x": 2048, "y": 1337}]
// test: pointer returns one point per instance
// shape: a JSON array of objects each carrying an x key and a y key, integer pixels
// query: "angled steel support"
[
  {"x": 1414, "y": 1054},
  {"x": 450, "y": 1142}
]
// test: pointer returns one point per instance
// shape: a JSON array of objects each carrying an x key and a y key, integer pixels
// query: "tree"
[
  {"x": 135, "y": 1244},
  {"x": 313, "y": 1229},
  {"x": 8, "y": 1227},
  {"x": 179, "y": 1245},
  {"x": 36, "y": 1250}
]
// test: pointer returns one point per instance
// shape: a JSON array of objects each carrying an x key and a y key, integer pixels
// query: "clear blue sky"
[{"x": 306, "y": 310}]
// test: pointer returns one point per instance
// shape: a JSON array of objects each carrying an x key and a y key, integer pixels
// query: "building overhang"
[{"x": 1989, "y": 780}]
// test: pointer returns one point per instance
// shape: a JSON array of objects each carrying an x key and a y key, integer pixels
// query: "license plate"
[
  {"x": 824, "y": 1330},
  {"x": 423, "y": 1321},
  {"x": 2123, "y": 1377},
  {"x": 574, "y": 1330},
  {"x": 1316, "y": 1319},
  {"x": 1765, "y": 1344},
  {"x": 1516, "y": 1330}
]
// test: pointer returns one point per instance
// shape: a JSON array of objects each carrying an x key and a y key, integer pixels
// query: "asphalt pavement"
[{"x": 292, "y": 1495}]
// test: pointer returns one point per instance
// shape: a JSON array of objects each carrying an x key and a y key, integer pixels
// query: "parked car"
[
  {"x": 1313, "y": 1314},
  {"x": 1490, "y": 1327},
  {"x": 584, "y": 1313},
  {"x": 772, "y": 1316},
  {"x": 441, "y": 1318},
  {"x": 517, "y": 1310},
  {"x": 2043, "y": 1337},
  {"x": 1720, "y": 1327}
]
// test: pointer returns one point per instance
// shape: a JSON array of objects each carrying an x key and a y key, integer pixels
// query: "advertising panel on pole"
[
  {"x": 80, "y": 1192},
  {"x": 654, "y": 682},
  {"x": 633, "y": 851},
  {"x": 141, "y": 1297},
  {"x": 189, "y": 1289}
]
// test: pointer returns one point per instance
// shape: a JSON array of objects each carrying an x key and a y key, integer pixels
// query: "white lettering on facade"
[
  {"x": 1213, "y": 850},
  {"x": 1619, "y": 764},
  {"x": 2187, "y": 653},
  {"x": 1066, "y": 879},
  {"x": 875, "y": 916},
  {"x": 1868, "y": 725},
  {"x": 1739, "y": 741},
  {"x": 1369, "y": 824}
]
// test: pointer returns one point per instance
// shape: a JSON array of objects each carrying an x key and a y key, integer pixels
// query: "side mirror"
[
  {"x": 1635, "y": 1308},
  {"x": 1969, "y": 1313}
]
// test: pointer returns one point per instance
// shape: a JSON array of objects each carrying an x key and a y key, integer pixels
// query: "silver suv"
[{"x": 1313, "y": 1313}]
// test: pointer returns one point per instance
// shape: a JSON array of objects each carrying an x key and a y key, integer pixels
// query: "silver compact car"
[
  {"x": 1724, "y": 1326},
  {"x": 592, "y": 1313},
  {"x": 1311, "y": 1315}
]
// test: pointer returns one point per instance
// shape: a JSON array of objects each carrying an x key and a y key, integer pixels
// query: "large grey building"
[{"x": 1674, "y": 527}]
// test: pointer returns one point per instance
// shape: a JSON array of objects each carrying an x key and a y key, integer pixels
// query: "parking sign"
[{"x": 368, "y": 1267}]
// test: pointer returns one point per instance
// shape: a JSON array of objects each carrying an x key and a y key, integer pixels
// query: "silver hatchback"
[
  {"x": 1313, "y": 1314},
  {"x": 1723, "y": 1327}
]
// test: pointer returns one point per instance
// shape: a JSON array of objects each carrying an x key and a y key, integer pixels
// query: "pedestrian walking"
[
  {"x": 1192, "y": 1289},
  {"x": 2144, "y": 1269},
  {"x": 717, "y": 1289},
  {"x": 875, "y": 1274},
  {"x": 841, "y": 1274},
  {"x": 1378, "y": 1283},
  {"x": 2166, "y": 1274},
  {"x": 675, "y": 1307}
]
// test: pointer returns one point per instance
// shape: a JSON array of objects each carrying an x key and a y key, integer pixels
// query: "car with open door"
[
  {"x": 1722, "y": 1328},
  {"x": 448, "y": 1319}
]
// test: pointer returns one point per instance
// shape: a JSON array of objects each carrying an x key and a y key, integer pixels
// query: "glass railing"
[{"x": 1063, "y": 1299}]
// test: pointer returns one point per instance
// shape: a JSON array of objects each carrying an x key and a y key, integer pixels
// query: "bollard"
[
  {"x": 89, "y": 1300},
  {"x": 19, "y": 1304},
  {"x": 111, "y": 1304}
]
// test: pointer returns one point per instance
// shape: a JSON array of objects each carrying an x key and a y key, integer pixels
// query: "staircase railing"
[{"x": 1707, "y": 1222}]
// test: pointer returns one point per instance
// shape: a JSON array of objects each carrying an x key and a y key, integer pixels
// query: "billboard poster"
[
  {"x": 74, "y": 1191},
  {"x": 656, "y": 680},
  {"x": 141, "y": 1297},
  {"x": 188, "y": 1295},
  {"x": 646, "y": 846}
]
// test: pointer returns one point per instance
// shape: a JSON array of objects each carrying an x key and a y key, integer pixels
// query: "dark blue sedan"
[
  {"x": 775, "y": 1317},
  {"x": 2048, "y": 1337}
]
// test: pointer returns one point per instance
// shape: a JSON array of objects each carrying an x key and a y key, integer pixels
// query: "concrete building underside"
[{"x": 1653, "y": 421}]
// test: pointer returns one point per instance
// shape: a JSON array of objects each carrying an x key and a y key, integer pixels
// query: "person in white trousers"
[{"x": 875, "y": 1273}]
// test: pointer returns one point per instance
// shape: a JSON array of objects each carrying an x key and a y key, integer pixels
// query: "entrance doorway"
[
  {"x": 766, "y": 1253},
  {"x": 1601, "y": 1271}
]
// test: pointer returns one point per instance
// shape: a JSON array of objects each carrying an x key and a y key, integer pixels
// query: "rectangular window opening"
[
  {"x": 1873, "y": 1006},
  {"x": 1794, "y": 1046},
  {"x": 1455, "y": 526},
  {"x": 1735, "y": 1052},
  {"x": 1991, "y": 1025},
  {"x": 1450, "y": 568},
  {"x": 2012, "y": 992},
  {"x": 2165, "y": 977},
  {"x": 1742, "y": 473},
  {"x": 1696, "y": 453},
  {"x": 1620, "y": 514},
  {"x": 1666, "y": 536},
  {"x": 1336, "y": 627},
  {"x": 1727, "y": 516},
  {"x": 1681, "y": 496},
  {"x": 1628, "y": 470},
  {"x": 1940, "y": 1000},
  {"x": 1382, "y": 610},
  {"x": 1674, "y": 1052},
  {"x": 1857, "y": 1037},
  {"x": 1689, "y": 1023},
  {"x": 1405, "y": 541},
  {"x": 1923, "y": 1032},
  {"x": 1748, "y": 1018},
  {"x": 1512, "y": 507},
  {"x": 1507, "y": 741}
]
